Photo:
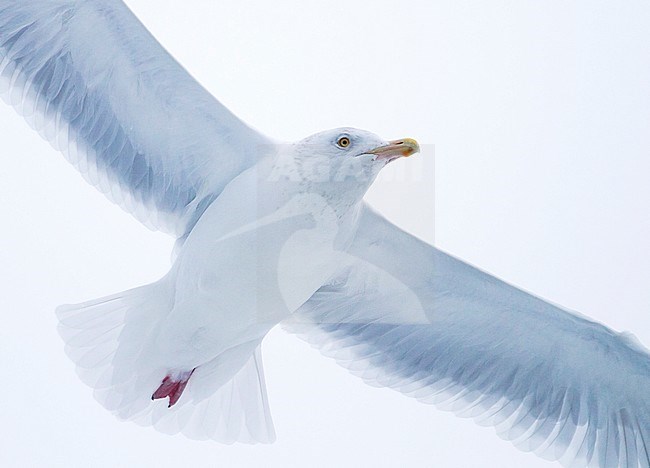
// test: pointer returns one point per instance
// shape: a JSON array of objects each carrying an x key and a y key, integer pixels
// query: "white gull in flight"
[{"x": 272, "y": 233}]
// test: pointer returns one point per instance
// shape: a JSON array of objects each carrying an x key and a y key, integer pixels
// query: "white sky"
[{"x": 540, "y": 117}]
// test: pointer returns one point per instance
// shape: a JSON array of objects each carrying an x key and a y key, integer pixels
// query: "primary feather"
[
  {"x": 551, "y": 381},
  {"x": 94, "y": 82}
]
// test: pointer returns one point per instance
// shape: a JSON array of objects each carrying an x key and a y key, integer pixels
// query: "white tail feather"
[{"x": 107, "y": 340}]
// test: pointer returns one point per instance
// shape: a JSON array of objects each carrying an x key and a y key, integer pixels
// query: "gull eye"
[{"x": 343, "y": 142}]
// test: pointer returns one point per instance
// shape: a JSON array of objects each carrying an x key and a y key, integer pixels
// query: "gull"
[{"x": 272, "y": 233}]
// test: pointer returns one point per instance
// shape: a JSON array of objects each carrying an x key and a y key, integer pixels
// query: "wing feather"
[
  {"x": 94, "y": 83},
  {"x": 550, "y": 381}
]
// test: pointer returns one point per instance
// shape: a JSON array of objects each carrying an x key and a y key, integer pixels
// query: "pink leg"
[{"x": 172, "y": 388}]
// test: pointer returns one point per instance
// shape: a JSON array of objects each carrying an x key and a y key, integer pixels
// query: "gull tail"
[{"x": 108, "y": 340}]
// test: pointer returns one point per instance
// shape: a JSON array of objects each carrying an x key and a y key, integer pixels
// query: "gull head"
[
  {"x": 339, "y": 164},
  {"x": 342, "y": 145}
]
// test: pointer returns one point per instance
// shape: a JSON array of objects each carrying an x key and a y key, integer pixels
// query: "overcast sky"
[{"x": 538, "y": 115}]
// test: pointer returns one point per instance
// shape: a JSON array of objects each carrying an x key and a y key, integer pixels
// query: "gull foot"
[{"x": 172, "y": 387}]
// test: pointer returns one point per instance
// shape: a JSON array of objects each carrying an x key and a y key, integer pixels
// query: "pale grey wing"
[
  {"x": 408, "y": 316},
  {"x": 93, "y": 81}
]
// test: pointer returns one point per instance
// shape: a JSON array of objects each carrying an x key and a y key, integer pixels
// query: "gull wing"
[
  {"x": 405, "y": 315},
  {"x": 94, "y": 82}
]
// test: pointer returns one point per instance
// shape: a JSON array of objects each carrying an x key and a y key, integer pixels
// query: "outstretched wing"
[
  {"x": 408, "y": 316},
  {"x": 93, "y": 81}
]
